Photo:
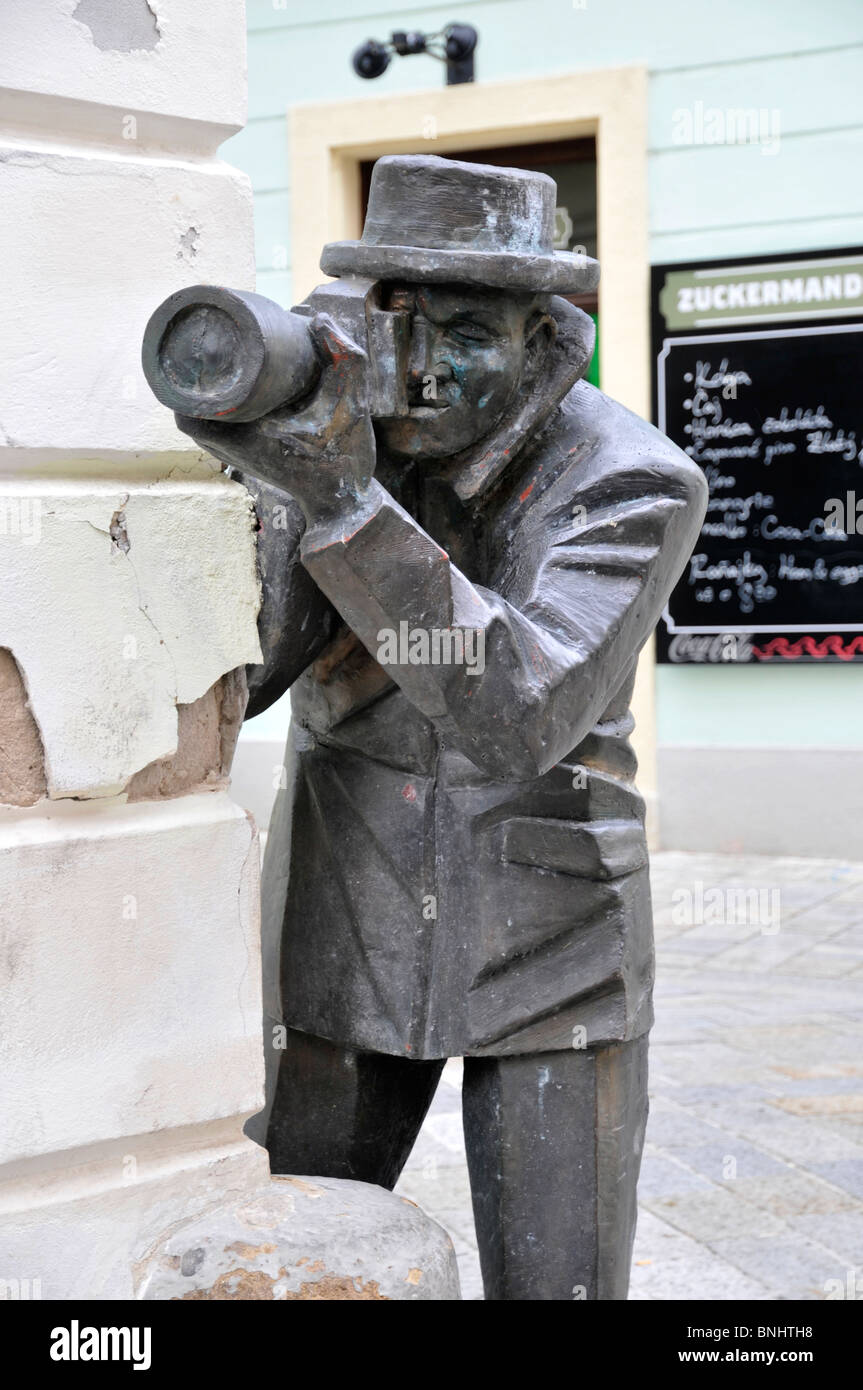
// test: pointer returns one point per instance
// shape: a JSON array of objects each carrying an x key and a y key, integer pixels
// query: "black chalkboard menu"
[{"x": 758, "y": 376}]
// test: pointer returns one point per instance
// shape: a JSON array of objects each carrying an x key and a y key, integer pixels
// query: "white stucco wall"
[{"x": 131, "y": 1051}]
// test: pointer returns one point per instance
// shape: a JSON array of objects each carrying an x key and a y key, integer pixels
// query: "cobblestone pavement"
[{"x": 752, "y": 1179}]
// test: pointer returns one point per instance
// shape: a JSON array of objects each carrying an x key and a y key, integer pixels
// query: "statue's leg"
[
  {"x": 554, "y": 1148},
  {"x": 343, "y": 1114}
]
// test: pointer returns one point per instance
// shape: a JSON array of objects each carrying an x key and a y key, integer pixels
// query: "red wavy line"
[{"x": 828, "y": 646}]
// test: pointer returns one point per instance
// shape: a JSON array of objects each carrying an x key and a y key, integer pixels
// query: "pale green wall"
[
  {"x": 801, "y": 59},
  {"x": 760, "y": 706}
]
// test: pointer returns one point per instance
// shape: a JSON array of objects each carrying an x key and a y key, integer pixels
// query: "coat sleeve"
[
  {"x": 296, "y": 620},
  {"x": 599, "y": 571}
]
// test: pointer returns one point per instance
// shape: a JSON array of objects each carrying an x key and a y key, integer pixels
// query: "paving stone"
[
  {"x": 797, "y": 897},
  {"x": 470, "y": 1276},
  {"x": 832, "y": 1081},
  {"x": 730, "y": 1159},
  {"x": 690, "y": 944},
  {"x": 713, "y": 1056},
  {"x": 714, "y": 1214},
  {"x": 844, "y": 1172},
  {"x": 836, "y": 912},
  {"x": 458, "y": 1223},
  {"x": 672, "y": 959},
  {"x": 447, "y": 1129},
  {"x": 675, "y": 1031},
  {"x": 848, "y": 1127},
  {"x": 762, "y": 953},
  {"x": 451, "y": 1078},
  {"x": 699, "y": 1099},
  {"x": 722, "y": 934},
  {"x": 442, "y": 1188},
  {"x": 655, "y": 1238},
  {"x": 428, "y": 1150},
  {"x": 795, "y": 1193},
  {"x": 671, "y": 1128},
  {"x": 661, "y": 1176},
  {"x": 829, "y": 1103},
  {"x": 826, "y": 1071},
  {"x": 791, "y": 1265},
  {"x": 837, "y": 871},
  {"x": 852, "y": 894},
  {"x": 709, "y": 1278},
  {"x": 670, "y": 1265},
  {"x": 801, "y": 1143},
  {"x": 798, "y": 1041},
  {"x": 841, "y": 1232},
  {"x": 823, "y": 960},
  {"x": 850, "y": 939}
]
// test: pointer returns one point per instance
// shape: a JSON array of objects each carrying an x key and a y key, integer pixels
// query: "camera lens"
[
  {"x": 202, "y": 351},
  {"x": 227, "y": 355}
]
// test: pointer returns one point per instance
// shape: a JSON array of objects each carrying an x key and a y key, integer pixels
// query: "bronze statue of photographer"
[{"x": 457, "y": 866}]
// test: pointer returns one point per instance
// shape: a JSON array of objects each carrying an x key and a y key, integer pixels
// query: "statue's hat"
[{"x": 432, "y": 219}]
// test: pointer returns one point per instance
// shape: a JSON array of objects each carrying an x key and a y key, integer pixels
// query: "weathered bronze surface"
[{"x": 463, "y": 547}]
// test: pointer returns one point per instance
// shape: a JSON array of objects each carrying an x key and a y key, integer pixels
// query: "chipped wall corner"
[
  {"x": 126, "y": 610},
  {"x": 119, "y": 26}
]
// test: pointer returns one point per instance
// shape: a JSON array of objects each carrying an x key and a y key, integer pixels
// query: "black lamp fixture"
[{"x": 454, "y": 45}]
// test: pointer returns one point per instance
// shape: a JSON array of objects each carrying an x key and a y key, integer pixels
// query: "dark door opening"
[{"x": 572, "y": 164}]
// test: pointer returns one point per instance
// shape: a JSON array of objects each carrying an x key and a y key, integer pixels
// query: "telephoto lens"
[{"x": 219, "y": 354}]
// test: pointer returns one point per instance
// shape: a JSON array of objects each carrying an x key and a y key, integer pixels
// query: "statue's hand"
[{"x": 322, "y": 454}]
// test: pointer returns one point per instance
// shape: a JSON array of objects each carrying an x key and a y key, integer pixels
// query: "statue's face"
[{"x": 466, "y": 362}]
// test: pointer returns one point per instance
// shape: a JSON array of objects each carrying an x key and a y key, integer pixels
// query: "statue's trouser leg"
[
  {"x": 554, "y": 1146},
  {"x": 343, "y": 1114}
]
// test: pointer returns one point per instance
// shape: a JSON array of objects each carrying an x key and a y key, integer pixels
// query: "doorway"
[{"x": 572, "y": 165}]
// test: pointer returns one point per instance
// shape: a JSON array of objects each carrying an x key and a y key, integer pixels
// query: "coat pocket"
[{"x": 599, "y": 851}]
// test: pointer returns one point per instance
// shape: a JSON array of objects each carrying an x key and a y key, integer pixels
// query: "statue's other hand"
[{"x": 322, "y": 453}]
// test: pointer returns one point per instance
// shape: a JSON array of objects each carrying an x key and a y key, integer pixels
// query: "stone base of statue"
[{"x": 299, "y": 1238}]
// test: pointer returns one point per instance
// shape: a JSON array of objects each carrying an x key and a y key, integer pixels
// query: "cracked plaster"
[{"x": 119, "y": 604}]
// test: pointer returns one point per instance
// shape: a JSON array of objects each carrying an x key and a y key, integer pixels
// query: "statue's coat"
[{"x": 457, "y": 864}]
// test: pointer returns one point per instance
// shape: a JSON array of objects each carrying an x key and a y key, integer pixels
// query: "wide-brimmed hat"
[{"x": 441, "y": 220}]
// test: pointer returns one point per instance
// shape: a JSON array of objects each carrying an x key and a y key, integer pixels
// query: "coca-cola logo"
[{"x": 712, "y": 647}]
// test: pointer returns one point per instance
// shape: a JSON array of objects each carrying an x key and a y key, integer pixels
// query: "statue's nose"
[{"x": 425, "y": 359}]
